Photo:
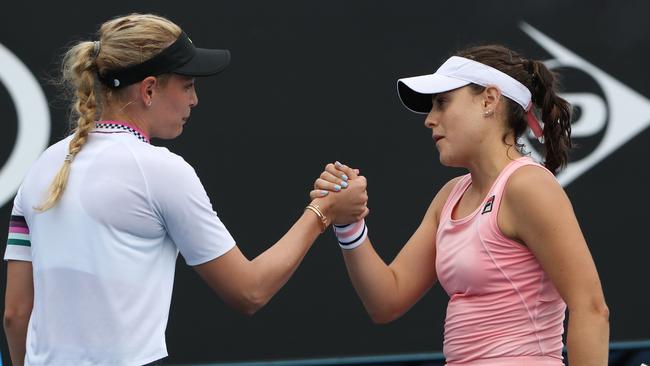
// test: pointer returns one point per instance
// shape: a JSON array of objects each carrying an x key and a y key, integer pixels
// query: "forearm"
[
  {"x": 588, "y": 338},
  {"x": 19, "y": 302},
  {"x": 374, "y": 281},
  {"x": 16, "y": 332},
  {"x": 273, "y": 268}
]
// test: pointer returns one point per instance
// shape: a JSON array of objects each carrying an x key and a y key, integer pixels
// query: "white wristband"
[{"x": 352, "y": 235}]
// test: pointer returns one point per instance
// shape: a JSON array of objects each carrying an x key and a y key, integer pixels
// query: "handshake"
[{"x": 340, "y": 195}]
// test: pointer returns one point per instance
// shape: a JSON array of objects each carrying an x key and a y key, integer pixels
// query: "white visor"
[{"x": 415, "y": 92}]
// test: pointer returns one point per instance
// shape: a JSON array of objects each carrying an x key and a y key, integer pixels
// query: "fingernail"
[
  {"x": 344, "y": 177},
  {"x": 337, "y": 163},
  {"x": 324, "y": 193},
  {"x": 344, "y": 184},
  {"x": 356, "y": 171},
  {"x": 337, "y": 187}
]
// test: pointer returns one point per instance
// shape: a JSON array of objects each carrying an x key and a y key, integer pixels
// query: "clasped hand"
[{"x": 343, "y": 191}]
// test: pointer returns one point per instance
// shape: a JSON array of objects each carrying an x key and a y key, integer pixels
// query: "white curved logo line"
[
  {"x": 629, "y": 110},
  {"x": 593, "y": 116},
  {"x": 33, "y": 122}
]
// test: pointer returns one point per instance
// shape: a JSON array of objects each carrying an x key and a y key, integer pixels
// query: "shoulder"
[
  {"x": 531, "y": 182},
  {"x": 533, "y": 195},
  {"x": 160, "y": 159},
  {"x": 445, "y": 191},
  {"x": 533, "y": 204},
  {"x": 165, "y": 171},
  {"x": 57, "y": 149},
  {"x": 51, "y": 157},
  {"x": 442, "y": 196}
]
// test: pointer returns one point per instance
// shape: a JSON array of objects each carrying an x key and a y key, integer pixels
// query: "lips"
[{"x": 437, "y": 138}]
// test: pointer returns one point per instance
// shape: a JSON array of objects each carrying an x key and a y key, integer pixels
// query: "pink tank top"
[{"x": 503, "y": 309}]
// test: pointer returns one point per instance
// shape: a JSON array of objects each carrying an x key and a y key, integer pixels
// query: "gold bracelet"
[{"x": 315, "y": 209}]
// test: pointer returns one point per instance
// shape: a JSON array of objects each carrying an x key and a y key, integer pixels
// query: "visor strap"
[
  {"x": 534, "y": 123},
  {"x": 176, "y": 55}
]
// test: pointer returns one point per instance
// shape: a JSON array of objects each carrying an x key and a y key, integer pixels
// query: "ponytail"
[
  {"x": 555, "y": 113},
  {"x": 79, "y": 73}
]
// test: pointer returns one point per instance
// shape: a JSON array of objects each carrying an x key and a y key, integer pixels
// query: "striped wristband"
[{"x": 352, "y": 235}]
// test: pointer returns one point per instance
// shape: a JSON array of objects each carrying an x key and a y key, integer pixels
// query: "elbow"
[
  {"x": 252, "y": 302},
  {"x": 250, "y": 309},
  {"x": 596, "y": 308},
  {"x": 16, "y": 317},
  {"x": 381, "y": 319},
  {"x": 602, "y": 310},
  {"x": 384, "y": 315}
]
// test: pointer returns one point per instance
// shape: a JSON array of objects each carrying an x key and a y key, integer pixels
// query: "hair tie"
[
  {"x": 530, "y": 67},
  {"x": 528, "y": 64},
  {"x": 97, "y": 45}
]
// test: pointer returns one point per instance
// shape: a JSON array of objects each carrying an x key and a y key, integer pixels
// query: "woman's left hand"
[{"x": 334, "y": 178}]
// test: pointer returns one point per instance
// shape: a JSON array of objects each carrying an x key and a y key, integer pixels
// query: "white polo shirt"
[{"x": 104, "y": 256}]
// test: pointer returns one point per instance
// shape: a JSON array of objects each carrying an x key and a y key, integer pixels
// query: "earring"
[
  {"x": 149, "y": 103},
  {"x": 488, "y": 113}
]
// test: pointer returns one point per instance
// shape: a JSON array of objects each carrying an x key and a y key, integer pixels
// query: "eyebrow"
[
  {"x": 434, "y": 97},
  {"x": 187, "y": 78}
]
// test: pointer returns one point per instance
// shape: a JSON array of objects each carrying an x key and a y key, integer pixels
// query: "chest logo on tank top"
[{"x": 488, "y": 205}]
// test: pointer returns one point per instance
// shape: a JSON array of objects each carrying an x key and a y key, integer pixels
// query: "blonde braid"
[
  {"x": 125, "y": 41},
  {"x": 79, "y": 70}
]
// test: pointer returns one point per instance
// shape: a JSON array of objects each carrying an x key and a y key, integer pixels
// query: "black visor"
[{"x": 181, "y": 57}]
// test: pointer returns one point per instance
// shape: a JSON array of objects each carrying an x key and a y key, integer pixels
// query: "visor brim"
[
  {"x": 205, "y": 62},
  {"x": 415, "y": 92}
]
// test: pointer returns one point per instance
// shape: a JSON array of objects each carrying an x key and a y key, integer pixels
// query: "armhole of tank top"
[{"x": 493, "y": 220}]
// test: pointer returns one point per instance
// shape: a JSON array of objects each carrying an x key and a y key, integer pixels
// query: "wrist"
[
  {"x": 325, "y": 207},
  {"x": 351, "y": 235},
  {"x": 320, "y": 211}
]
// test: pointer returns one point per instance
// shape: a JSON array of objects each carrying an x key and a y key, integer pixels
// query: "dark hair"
[{"x": 543, "y": 85}]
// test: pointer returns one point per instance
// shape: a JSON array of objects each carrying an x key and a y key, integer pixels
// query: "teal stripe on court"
[
  {"x": 615, "y": 346},
  {"x": 378, "y": 360},
  {"x": 340, "y": 360}
]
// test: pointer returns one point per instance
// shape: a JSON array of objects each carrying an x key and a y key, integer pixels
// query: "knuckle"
[{"x": 363, "y": 181}]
